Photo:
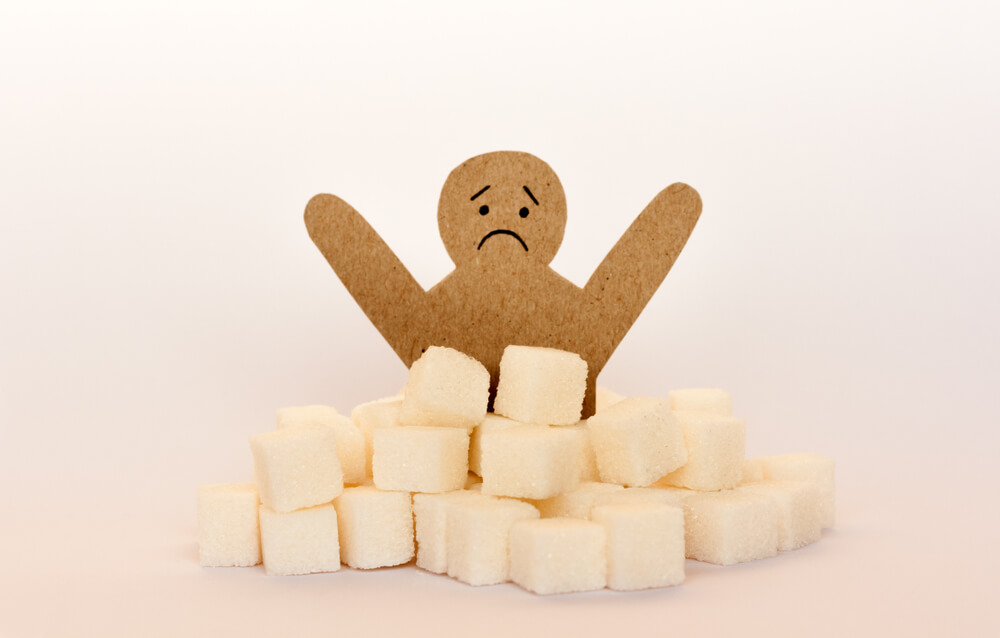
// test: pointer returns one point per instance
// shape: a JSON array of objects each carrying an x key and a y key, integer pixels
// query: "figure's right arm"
[{"x": 370, "y": 271}]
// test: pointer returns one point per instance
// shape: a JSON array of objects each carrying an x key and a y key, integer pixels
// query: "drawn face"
[{"x": 504, "y": 205}]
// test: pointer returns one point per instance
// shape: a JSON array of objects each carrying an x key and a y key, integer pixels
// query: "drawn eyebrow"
[
  {"x": 485, "y": 188},
  {"x": 529, "y": 194}
]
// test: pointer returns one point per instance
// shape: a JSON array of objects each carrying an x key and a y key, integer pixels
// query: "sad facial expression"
[{"x": 502, "y": 205}]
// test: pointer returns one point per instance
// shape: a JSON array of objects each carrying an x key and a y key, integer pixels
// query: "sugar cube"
[
  {"x": 638, "y": 495},
  {"x": 228, "y": 532},
  {"x": 445, "y": 388},
  {"x": 588, "y": 460},
  {"x": 376, "y": 527},
  {"x": 305, "y": 415},
  {"x": 490, "y": 423},
  {"x": 636, "y": 441},
  {"x": 578, "y": 502},
  {"x": 301, "y": 542},
  {"x": 383, "y": 413},
  {"x": 806, "y": 467},
  {"x": 420, "y": 459},
  {"x": 716, "y": 447},
  {"x": 430, "y": 522},
  {"x": 558, "y": 555},
  {"x": 645, "y": 544},
  {"x": 711, "y": 400},
  {"x": 478, "y": 533},
  {"x": 679, "y": 493},
  {"x": 605, "y": 398},
  {"x": 350, "y": 440},
  {"x": 296, "y": 467},
  {"x": 753, "y": 470},
  {"x": 530, "y": 461},
  {"x": 541, "y": 385},
  {"x": 730, "y": 527},
  {"x": 799, "y": 521}
]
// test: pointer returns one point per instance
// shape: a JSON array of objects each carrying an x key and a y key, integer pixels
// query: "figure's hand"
[
  {"x": 323, "y": 213},
  {"x": 370, "y": 271}
]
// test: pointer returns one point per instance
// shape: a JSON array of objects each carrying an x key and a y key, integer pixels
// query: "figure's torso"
[{"x": 481, "y": 308}]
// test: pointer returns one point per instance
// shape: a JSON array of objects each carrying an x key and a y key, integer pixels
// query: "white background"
[{"x": 160, "y": 298}]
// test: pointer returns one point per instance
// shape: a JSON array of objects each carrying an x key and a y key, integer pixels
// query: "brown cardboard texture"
[{"x": 501, "y": 216}]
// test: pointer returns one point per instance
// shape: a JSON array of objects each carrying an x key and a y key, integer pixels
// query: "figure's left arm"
[{"x": 636, "y": 266}]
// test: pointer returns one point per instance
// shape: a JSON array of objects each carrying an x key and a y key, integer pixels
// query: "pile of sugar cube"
[{"x": 527, "y": 493}]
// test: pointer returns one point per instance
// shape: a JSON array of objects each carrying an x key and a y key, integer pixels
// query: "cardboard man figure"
[{"x": 502, "y": 217}]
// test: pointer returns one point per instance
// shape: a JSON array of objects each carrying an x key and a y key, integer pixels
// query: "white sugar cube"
[
  {"x": 642, "y": 495},
  {"x": 636, "y": 441},
  {"x": 430, "y": 523},
  {"x": 383, "y": 413},
  {"x": 711, "y": 400},
  {"x": 305, "y": 415},
  {"x": 228, "y": 532},
  {"x": 588, "y": 460},
  {"x": 420, "y": 459},
  {"x": 605, "y": 398},
  {"x": 445, "y": 388},
  {"x": 799, "y": 521},
  {"x": 716, "y": 447},
  {"x": 753, "y": 470},
  {"x": 578, "y": 502},
  {"x": 531, "y": 461},
  {"x": 730, "y": 527},
  {"x": 679, "y": 493},
  {"x": 350, "y": 440},
  {"x": 301, "y": 542},
  {"x": 478, "y": 533},
  {"x": 541, "y": 385},
  {"x": 296, "y": 467},
  {"x": 376, "y": 527},
  {"x": 645, "y": 544},
  {"x": 558, "y": 555},
  {"x": 490, "y": 423},
  {"x": 806, "y": 467},
  {"x": 350, "y": 450}
]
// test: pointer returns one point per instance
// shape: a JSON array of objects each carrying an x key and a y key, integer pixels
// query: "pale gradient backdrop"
[{"x": 161, "y": 298}]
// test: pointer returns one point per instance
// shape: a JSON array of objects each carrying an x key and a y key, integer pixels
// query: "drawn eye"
[
  {"x": 523, "y": 212},
  {"x": 484, "y": 209}
]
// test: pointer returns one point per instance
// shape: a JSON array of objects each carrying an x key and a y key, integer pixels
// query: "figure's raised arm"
[
  {"x": 629, "y": 275},
  {"x": 370, "y": 271}
]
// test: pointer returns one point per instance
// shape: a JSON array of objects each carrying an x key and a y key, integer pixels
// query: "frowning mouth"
[{"x": 503, "y": 232}]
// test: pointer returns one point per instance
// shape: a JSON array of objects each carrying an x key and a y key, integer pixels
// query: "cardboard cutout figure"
[{"x": 501, "y": 216}]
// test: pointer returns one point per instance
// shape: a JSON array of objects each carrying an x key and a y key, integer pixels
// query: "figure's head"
[{"x": 504, "y": 204}]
